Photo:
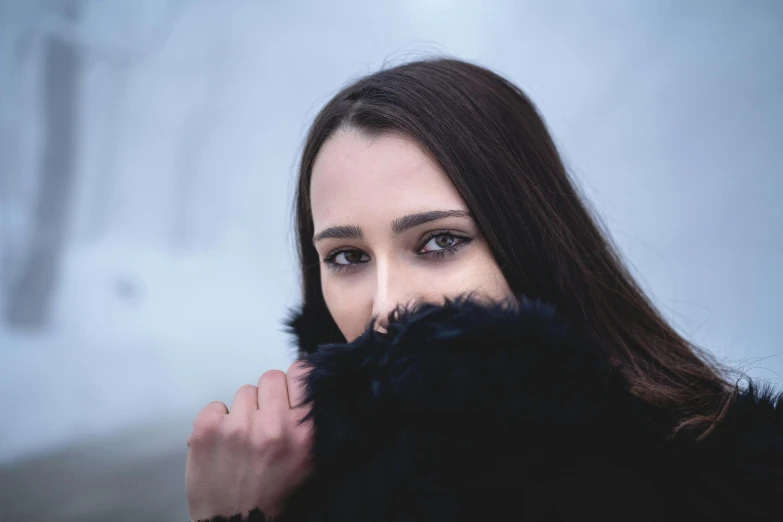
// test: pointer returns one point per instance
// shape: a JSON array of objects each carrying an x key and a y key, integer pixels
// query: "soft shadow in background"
[{"x": 147, "y": 158}]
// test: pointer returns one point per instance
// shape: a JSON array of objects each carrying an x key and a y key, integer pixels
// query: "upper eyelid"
[
  {"x": 398, "y": 226},
  {"x": 423, "y": 241},
  {"x": 443, "y": 232},
  {"x": 340, "y": 250}
]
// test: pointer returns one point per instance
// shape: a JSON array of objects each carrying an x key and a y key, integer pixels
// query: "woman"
[{"x": 471, "y": 345}]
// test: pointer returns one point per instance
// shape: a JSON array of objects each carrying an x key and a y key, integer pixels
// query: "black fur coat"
[{"x": 468, "y": 412}]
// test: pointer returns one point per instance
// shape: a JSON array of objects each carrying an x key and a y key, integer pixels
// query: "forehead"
[{"x": 357, "y": 179}]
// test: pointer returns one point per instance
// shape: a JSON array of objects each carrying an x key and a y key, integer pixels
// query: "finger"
[
  {"x": 297, "y": 384},
  {"x": 215, "y": 407},
  {"x": 245, "y": 400},
  {"x": 273, "y": 392},
  {"x": 211, "y": 410},
  {"x": 209, "y": 417}
]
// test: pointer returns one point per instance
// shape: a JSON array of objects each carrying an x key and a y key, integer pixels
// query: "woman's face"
[{"x": 391, "y": 229}]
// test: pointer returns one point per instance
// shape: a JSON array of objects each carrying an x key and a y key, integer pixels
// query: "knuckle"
[
  {"x": 236, "y": 433},
  {"x": 274, "y": 432},
  {"x": 205, "y": 427},
  {"x": 215, "y": 406},
  {"x": 259, "y": 445},
  {"x": 269, "y": 433}
]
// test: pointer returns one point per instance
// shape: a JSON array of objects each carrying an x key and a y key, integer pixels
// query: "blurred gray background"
[{"x": 148, "y": 154}]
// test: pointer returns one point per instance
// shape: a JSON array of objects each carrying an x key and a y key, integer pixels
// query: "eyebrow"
[{"x": 398, "y": 225}]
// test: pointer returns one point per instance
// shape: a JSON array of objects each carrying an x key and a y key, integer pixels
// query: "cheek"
[
  {"x": 477, "y": 273},
  {"x": 347, "y": 303},
  {"x": 492, "y": 281}
]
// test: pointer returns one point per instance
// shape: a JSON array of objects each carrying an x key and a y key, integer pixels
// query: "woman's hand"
[{"x": 254, "y": 456}]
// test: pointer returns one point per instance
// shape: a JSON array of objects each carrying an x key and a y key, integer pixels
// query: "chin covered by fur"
[{"x": 469, "y": 411}]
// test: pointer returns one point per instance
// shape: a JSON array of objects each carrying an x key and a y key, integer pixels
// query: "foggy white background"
[{"x": 178, "y": 258}]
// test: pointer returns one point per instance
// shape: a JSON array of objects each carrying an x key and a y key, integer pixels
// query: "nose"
[{"x": 392, "y": 289}]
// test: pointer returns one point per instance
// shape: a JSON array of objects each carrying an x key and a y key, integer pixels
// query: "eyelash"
[{"x": 435, "y": 254}]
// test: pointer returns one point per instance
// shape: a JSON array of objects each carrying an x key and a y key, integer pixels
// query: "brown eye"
[
  {"x": 353, "y": 256},
  {"x": 347, "y": 257}
]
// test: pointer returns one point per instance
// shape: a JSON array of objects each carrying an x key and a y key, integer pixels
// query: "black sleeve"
[{"x": 464, "y": 413}]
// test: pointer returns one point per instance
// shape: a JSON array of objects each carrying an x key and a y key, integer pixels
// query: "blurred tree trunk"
[
  {"x": 187, "y": 231},
  {"x": 29, "y": 295}
]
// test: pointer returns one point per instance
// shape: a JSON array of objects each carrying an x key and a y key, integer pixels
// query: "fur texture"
[{"x": 488, "y": 412}]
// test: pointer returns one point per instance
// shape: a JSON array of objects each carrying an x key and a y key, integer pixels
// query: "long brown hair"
[{"x": 489, "y": 139}]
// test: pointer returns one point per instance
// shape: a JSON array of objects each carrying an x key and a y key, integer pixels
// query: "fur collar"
[{"x": 468, "y": 411}]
